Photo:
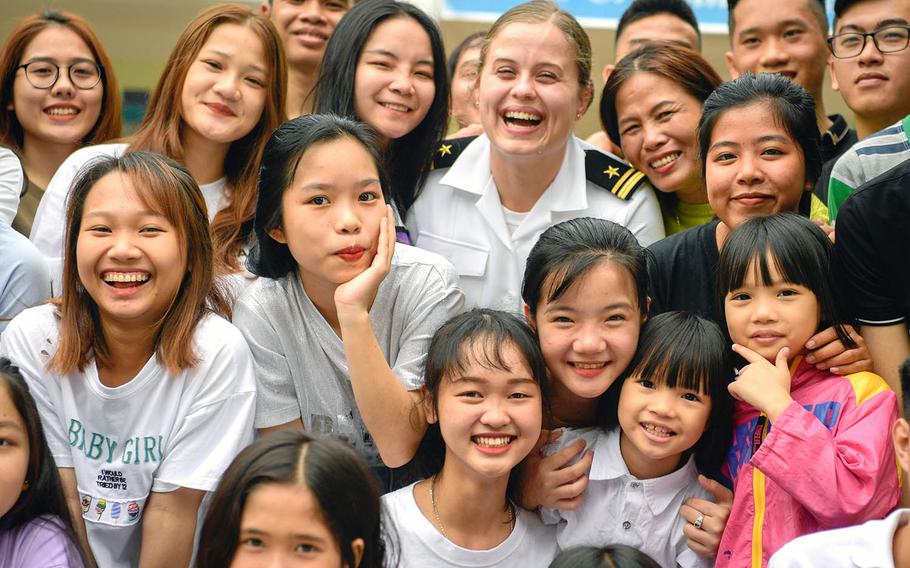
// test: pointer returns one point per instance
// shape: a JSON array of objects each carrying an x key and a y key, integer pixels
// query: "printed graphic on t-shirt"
[
  {"x": 348, "y": 429},
  {"x": 97, "y": 446},
  {"x": 111, "y": 512}
]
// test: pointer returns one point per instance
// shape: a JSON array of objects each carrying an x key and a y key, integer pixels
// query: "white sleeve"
[
  {"x": 643, "y": 216},
  {"x": 219, "y": 424},
  {"x": 12, "y": 180},
  {"x": 433, "y": 303}
]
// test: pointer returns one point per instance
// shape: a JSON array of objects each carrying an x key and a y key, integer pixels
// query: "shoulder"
[
  {"x": 448, "y": 151},
  {"x": 43, "y": 542},
  {"x": 611, "y": 173},
  {"x": 415, "y": 264},
  {"x": 215, "y": 334},
  {"x": 264, "y": 292},
  {"x": 399, "y": 501},
  {"x": 40, "y": 322},
  {"x": 860, "y": 545},
  {"x": 89, "y": 153},
  {"x": 697, "y": 238}
]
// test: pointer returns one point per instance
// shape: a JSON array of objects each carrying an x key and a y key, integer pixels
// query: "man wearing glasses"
[{"x": 870, "y": 66}]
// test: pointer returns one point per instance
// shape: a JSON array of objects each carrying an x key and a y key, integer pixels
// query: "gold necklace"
[{"x": 442, "y": 528}]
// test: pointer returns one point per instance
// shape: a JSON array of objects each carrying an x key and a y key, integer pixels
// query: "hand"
[
  {"x": 706, "y": 539},
  {"x": 554, "y": 482},
  {"x": 469, "y": 130},
  {"x": 827, "y": 227},
  {"x": 761, "y": 384},
  {"x": 357, "y": 294},
  {"x": 826, "y": 351}
]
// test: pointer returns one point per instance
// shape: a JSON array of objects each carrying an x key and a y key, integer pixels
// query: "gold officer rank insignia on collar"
[
  {"x": 612, "y": 174},
  {"x": 448, "y": 151}
]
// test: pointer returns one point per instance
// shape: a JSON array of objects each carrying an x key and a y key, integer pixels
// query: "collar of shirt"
[
  {"x": 839, "y": 129},
  {"x": 659, "y": 492}
]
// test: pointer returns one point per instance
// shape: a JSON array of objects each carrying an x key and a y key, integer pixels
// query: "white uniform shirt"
[
  {"x": 158, "y": 432},
  {"x": 619, "y": 508},
  {"x": 12, "y": 180},
  {"x": 49, "y": 227},
  {"x": 869, "y": 545},
  {"x": 459, "y": 215},
  {"x": 530, "y": 545}
]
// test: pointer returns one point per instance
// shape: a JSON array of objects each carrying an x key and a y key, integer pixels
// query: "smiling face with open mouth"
[
  {"x": 130, "y": 259},
  {"x": 529, "y": 91},
  {"x": 305, "y": 27},
  {"x": 62, "y": 114},
  {"x": 489, "y": 418},
  {"x": 393, "y": 84}
]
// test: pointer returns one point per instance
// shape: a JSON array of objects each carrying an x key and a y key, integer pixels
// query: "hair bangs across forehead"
[{"x": 677, "y": 359}]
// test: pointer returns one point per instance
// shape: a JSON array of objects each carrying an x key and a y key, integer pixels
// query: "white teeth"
[
  {"x": 665, "y": 160},
  {"x": 489, "y": 442},
  {"x": 657, "y": 430},
  {"x": 125, "y": 277},
  {"x": 588, "y": 365},
  {"x": 523, "y": 116},
  {"x": 393, "y": 106},
  {"x": 61, "y": 111}
]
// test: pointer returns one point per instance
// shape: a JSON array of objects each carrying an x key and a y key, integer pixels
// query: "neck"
[
  {"x": 301, "y": 81},
  {"x": 322, "y": 294},
  {"x": 521, "y": 182},
  {"x": 866, "y": 125},
  {"x": 721, "y": 232},
  {"x": 901, "y": 546},
  {"x": 40, "y": 159},
  {"x": 571, "y": 410},
  {"x": 473, "y": 509},
  {"x": 203, "y": 158},
  {"x": 643, "y": 467},
  {"x": 821, "y": 116},
  {"x": 129, "y": 348},
  {"x": 696, "y": 193}
]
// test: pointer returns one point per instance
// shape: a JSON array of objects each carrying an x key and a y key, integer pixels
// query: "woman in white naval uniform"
[{"x": 489, "y": 198}]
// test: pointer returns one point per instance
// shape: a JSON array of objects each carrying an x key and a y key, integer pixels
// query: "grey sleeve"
[
  {"x": 24, "y": 279},
  {"x": 276, "y": 396},
  {"x": 433, "y": 302}
]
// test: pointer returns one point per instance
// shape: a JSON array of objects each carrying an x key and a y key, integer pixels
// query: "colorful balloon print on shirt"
[
  {"x": 100, "y": 507},
  {"x": 115, "y": 511},
  {"x": 132, "y": 510}
]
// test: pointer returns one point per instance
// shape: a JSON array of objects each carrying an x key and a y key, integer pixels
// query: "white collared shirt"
[
  {"x": 619, "y": 508},
  {"x": 869, "y": 545},
  {"x": 459, "y": 215}
]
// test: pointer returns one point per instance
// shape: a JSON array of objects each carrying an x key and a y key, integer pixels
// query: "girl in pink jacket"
[{"x": 811, "y": 450}]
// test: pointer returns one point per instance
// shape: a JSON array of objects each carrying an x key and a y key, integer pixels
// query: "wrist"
[
  {"x": 351, "y": 316},
  {"x": 777, "y": 407}
]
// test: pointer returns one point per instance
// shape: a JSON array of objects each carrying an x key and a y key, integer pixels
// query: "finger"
[
  {"x": 698, "y": 548},
  {"x": 747, "y": 354},
  {"x": 562, "y": 458},
  {"x": 700, "y": 542},
  {"x": 392, "y": 234},
  {"x": 571, "y": 473},
  {"x": 823, "y": 337},
  {"x": 542, "y": 441},
  {"x": 570, "y": 495},
  {"x": 855, "y": 367},
  {"x": 733, "y": 389},
  {"x": 842, "y": 359},
  {"x": 826, "y": 351},
  {"x": 722, "y": 495},
  {"x": 781, "y": 361}
]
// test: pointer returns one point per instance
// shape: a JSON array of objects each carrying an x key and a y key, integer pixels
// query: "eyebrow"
[
  {"x": 301, "y": 536},
  {"x": 783, "y": 24},
  {"x": 882, "y": 24},
  {"x": 387, "y": 53},
  {"x": 647, "y": 40},
  {"x": 227, "y": 55},
  {"x": 11, "y": 424},
  {"x": 72, "y": 61},
  {"x": 107, "y": 214},
  {"x": 481, "y": 380},
  {"x": 328, "y": 186},
  {"x": 759, "y": 140},
  {"x": 650, "y": 111},
  {"x": 614, "y": 306}
]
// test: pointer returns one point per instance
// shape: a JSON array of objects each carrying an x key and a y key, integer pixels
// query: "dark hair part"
[
  {"x": 641, "y": 9},
  {"x": 280, "y": 159},
  {"x": 791, "y": 106},
  {"x": 407, "y": 159},
  {"x": 611, "y": 556},
  {"x": 685, "y": 67},
  {"x": 797, "y": 248},
  {"x": 167, "y": 187},
  {"x": 905, "y": 386},
  {"x": 567, "y": 251},
  {"x": 817, "y": 7},
  {"x": 474, "y": 40},
  {"x": 343, "y": 485},
  {"x": 44, "y": 492},
  {"x": 684, "y": 350},
  {"x": 479, "y": 336}
]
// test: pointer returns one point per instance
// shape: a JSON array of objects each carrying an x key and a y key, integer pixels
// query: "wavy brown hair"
[
  {"x": 162, "y": 126},
  {"x": 107, "y": 127},
  {"x": 166, "y": 187}
]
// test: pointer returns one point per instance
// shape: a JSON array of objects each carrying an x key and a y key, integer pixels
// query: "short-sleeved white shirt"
[
  {"x": 530, "y": 545},
  {"x": 619, "y": 508},
  {"x": 157, "y": 432},
  {"x": 12, "y": 180}
]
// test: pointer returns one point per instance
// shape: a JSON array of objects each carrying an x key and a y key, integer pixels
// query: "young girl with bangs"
[
  {"x": 36, "y": 530},
  {"x": 145, "y": 394},
  {"x": 811, "y": 450},
  {"x": 220, "y": 96},
  {"x": 340, "y": 321},
  {"x": 661, "y": 424},
  {"x": 485, "y": 392}
]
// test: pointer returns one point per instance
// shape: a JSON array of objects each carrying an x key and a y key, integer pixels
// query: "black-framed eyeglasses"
[
  {"x": 43, "y": 74},
  {"x": 886, "y": 40}
]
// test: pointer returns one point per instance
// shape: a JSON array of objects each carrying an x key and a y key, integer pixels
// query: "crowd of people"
[{"x": 295, "y": 319}]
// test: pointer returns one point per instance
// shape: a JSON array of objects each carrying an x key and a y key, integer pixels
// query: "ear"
[
  {"x": 585, "y": 100},
  {"x": 731, "y": 65},
  {"x": 277, "y": 233},
  {"x": 900, "y": 434},
  {"x": 532, "y": 321},
  {"x": 428, "y": 409},
  {"x": 357, "y": 546},
  {"x": 647, "y": 309},
  {"x": 607, "y": 70},
  {"x": 835, "y": 86},
  {"x": 265, "y": 8}
]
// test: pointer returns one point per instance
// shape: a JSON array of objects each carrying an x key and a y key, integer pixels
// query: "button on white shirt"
[{"x": 459, "y": 215}]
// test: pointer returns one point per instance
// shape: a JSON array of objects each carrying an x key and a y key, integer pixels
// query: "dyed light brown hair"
[
  {"x": 166, "y": 187},
  {"x": 107, "y": 127},
  {"x": 162, "y": 125}
]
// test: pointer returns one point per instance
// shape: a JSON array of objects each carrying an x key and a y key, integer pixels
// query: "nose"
[
  {"x": 123, "y": 247},
  {"x": 311, "y": 11},
  {"x": 523, "y": 87},
  {"x": 774, "y": 55},
  {"x": 661, "y": 402},
  {"x": 494, "y": 414},
  {"x": 654, "y": 137},
  {"x": 63, "y": 87},
  {"x": 228, "y": 86},
  {"x": 750, "y": 171},
  {"x": 763, "y": 310},
  {"x": 870, "y": 55},
  {"x": 589, "y": 341},
  {"x": 347, "y": 221}
]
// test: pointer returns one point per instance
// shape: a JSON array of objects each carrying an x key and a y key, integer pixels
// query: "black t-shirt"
[
  {"x": 872, "y": 249},
  {"x": 837, "y": 140},
  {"x": 681, "y": 270}
]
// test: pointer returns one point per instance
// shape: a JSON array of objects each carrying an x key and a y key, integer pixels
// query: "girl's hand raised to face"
[
  {"x": 356, "y": 295},
  {"x": 764, "y": 385}
]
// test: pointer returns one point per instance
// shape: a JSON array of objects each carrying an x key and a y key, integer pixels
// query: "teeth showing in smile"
[
  {"x": 491, "y": 442},
  {"x": 523, "y": 118},
  {"x": 657, "y": 430},
  {"x": 587, "y": 365},
  {"x": 666, "y": 160},
  {"x": 61, "y": 111},
  {"x": 125, "y": 277},
  {"x": 393, "y": 106}
]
